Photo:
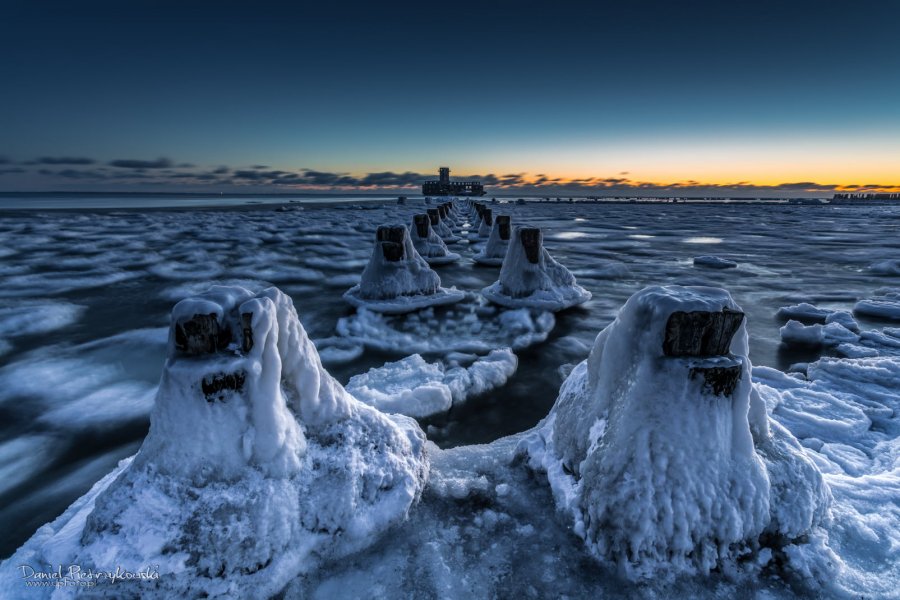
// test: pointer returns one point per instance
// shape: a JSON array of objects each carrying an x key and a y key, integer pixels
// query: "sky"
[{"x": 677, "y": 98}]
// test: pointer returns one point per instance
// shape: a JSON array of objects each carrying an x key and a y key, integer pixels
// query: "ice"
[
  {"x": 258, "y": 465},
  {"x": 530, "y": 277},
  {"x": 804, "y": 312},
  {"x": 832, "y": 334},
  {"x": 714, "y": 262},
  {"x": 494, "y": 251},
  {"x": 466, "y": 327},
  {"x": 659, "y": 449},
  {"x": 440, "y": 227},
  {"x": 884, "y": 306},
  {"x": 427, "y": 243},
  {"x": 397, "y": 280},
  {"x": 416, "y": 388}
]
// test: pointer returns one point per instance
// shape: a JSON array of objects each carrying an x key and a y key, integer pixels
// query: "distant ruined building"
[{"x": 444, "y": 187}]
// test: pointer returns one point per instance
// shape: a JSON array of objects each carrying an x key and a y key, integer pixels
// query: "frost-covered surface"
[
  {"x": 399, "y": 286},
  {"x": 660, "y": 474},
  {"x": 544, "y": 284},
  {"x": 830, "y": 334},
  {"x": 417, "y": 388},
  {"x": 239, "y": 488}
]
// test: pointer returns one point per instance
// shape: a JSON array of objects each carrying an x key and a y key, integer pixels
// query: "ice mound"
[
  {"x": 419, "y": 389},
  {"x": 258, "y": 465},
  {"x": 659, "y": 448},
  {"x": 397, "y": 280},
  {"x": 530, "y": 277},
  {"x": 428, "y": 244},
  {"x": 494, "y": 250}
]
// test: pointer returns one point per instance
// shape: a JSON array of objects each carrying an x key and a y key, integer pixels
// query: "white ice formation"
[
  {"x": 397, "y": 280},
  {"x": 659, "y": 449},
  {"x": 417, "y": 388},
  {"x": 494, "y": 251},
  {"x": 258, "y": 466},
  {"x": 531, "y": 278},
  {"x": 428, "y": 244}
]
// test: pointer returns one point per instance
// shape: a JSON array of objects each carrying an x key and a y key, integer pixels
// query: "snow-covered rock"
[
  {"x": 659, "y": 449},
  {"x": 397, "y": 280},
  {"x": 530, "y": 277},
  {"x": 428, "y": 244},
  {"x": 258, "y": 466},
  {"x": 494, "y": 251}
]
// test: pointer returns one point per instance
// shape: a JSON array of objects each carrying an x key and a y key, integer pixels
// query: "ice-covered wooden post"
[
  {"x": 503, "y": 225},
  {"x": 391, "y": 239},
  {"x": 531, "y": 241},
  {"x": 488, "y": 217},
  {"x": 704, "y": 334},
  {"x": 421, "y": 222},
  {"x": 201, "y": 334},
  {"x": 435, "y": 216}
]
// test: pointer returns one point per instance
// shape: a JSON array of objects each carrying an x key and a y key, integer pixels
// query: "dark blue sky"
[{"x": 719, "y": 93}]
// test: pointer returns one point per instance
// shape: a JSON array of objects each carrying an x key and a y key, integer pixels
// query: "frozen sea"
[{"x": 85, "y": 297}]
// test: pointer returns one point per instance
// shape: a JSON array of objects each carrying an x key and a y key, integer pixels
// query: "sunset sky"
[{"x": 731, "y": 98}]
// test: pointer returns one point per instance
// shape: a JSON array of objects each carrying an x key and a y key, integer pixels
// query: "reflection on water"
[{"x": 85, "y": 299}]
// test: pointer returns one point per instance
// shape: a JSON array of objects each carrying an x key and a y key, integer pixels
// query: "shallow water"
[{"x": 85, "y": 298}]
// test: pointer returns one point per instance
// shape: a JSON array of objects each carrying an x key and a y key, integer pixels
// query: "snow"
[
  {"x": 543, "y": 284},
  {"x": 660, "y": 474},
  {"x": 419, "y": 389},
  {"x": 238, "y": 491},
  {"x": 714, "y": 262},
  {"x": 402, "y": 285}
]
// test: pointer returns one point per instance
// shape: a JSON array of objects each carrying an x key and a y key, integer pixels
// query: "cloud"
[
  {"x": 63, "y": 160},
  {"x": 11, "y": 170},
  {"x": 126, "y": 163}
]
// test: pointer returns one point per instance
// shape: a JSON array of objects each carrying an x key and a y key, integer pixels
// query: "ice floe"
[{"x": 416, "y": 388}]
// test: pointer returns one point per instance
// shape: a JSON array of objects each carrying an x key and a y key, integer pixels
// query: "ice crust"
[
  {"x": 238, "y": 492},
  {"x": 546, "y": 284},
  {"x": 660, "y": 475}
]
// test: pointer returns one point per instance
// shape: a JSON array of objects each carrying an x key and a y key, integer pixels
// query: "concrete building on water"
[{"x": 444, "y": 187}]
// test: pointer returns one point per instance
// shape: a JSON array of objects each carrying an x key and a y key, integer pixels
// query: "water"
[{"x": 74, "y": 399}]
